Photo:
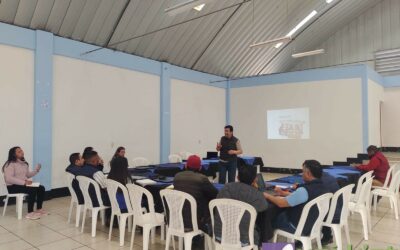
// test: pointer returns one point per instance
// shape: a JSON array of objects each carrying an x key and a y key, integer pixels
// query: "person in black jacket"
[
  {"x": 76, "y": 161},
  {"x": 229, "y": 148},
  {"x": 203, "y": 191},
  {"x": 294, "y": 202}
]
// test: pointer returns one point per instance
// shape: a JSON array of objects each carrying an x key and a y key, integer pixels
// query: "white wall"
[
  {"x": 104, "y": 107},
  {"x": 391, "y": 118},
  {"x": 16, "y": 101},
  {"x": 335, "y": 121},
  {"x": 197, "y": 117},
  {"x": 375, "y": 97}
]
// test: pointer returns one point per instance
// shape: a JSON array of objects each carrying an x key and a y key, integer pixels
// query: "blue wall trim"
[
  {"x": 374, "y": 76},
  {"x": 17, "y": 37},
  {"x": 75, "y": 49},
  {"x": 391, "y": 81},
  {"x": 196, "y": 76},
  {"x": 228, "y": 102},
  {"x": 333, "y": 73},
  {"x": 43, "y": 87},
  {"x": 165, "y": 112}
]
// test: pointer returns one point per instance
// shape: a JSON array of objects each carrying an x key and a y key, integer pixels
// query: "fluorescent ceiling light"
[
  {"x": 186, "y": 6},
  {"x": 280, "y": 40},
  {"x": 309, "y": 53},
  {"x": 199, "y": 7},
  {"x": 298, "y": 26},
  {"x": 329, "y": 1},
  {"x": 289, "y": 35},
  {"x": 278, "y": 45},
  {"x": 304, "y": 21}
]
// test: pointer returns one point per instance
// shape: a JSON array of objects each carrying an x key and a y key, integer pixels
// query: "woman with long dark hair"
[
  {"x": 120, "y": 152},
  {"x": 17, "y": 177},
  {"x": 119, "y": 172}
]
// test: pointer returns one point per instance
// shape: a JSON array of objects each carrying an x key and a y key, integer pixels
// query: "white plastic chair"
[
  {"x": 174, "y": 158},
  {"x": 322, "y": 203},
  {"x": 147, "y": 220},
  {"x": 185, "y": 155},
  {"x": 361, "y": 180},
  {"x": 231, "y": 213},
  {"x": 112, "y": 189},
  {"x": 391, "y": 192},
  {"x": 74, "y": 201},
  {"x": 345, "y": 193},
  {"x": 389, "y": 175},
  {"x": 140, "y": 162},
  {"x": 173, "y": 202},
  {"x": 84, "y": 184},
  {"x": 19, "y": 198},
  {"x": 361, "y": 206}
]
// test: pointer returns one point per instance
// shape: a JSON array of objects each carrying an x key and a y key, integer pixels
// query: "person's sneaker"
[
  {"x": 298, "y": 244},
  {"x": 32, "y": 216},
  {"x": 326, "y": 240},
  {"x": 42, "y": 212}
]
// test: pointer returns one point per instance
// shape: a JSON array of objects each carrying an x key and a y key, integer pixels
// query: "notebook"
[{"x": 34, "y": 184}]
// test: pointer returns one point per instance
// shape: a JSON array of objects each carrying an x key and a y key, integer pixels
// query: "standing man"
[{"x": 229, "y": 148}]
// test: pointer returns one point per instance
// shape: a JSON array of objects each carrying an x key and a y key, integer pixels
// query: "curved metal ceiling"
[{"x": 217, "y": 43}]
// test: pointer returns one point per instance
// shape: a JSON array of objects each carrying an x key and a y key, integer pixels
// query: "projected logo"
[
  {"x": 292, "y": 129},
  {"x": 288, "y": 124},
  {"x": 277, "y": 246}
]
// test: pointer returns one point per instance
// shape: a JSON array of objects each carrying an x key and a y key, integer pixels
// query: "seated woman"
[
  {"x": 119, "y": 172},
  {"x": 17, "y": 174}
]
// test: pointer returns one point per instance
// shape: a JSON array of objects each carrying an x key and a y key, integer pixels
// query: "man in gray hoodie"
[{"x": 246, "y": 191}]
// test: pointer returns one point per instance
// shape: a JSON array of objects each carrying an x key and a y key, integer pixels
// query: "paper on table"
[
  {"x": 34, "y": 184},
  {"x": 145, "y": 182}
]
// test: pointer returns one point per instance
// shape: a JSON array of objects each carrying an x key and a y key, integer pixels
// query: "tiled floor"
[{"x": 52, "y": 232}]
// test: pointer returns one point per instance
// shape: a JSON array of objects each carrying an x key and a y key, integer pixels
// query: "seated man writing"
[
  {"x": 377, "y": 163},
  {"x": 294, "y": 202}
]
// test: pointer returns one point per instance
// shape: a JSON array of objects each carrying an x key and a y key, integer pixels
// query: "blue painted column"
[
  {"x": 165, "y": 112},
  {"x": 43, "y": 92},
  {"x": 365, "y": 115},
  {"x": 228, "y": 102}
]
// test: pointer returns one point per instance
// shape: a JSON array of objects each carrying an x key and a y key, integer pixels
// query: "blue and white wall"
[
  {"x": 334, "y": 98},
  {"x": 345, "y": 114},
  {"x": 197, "y": 116},
  {"x": 16, "y": 100},
  {"x": 103, "y": 106},
  {"x": 56, "y": 100}
]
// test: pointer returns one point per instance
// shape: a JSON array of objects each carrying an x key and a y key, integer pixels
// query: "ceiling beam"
[
  {"x": 117, "y": 23},
  {"x": 217, "y": 33}
]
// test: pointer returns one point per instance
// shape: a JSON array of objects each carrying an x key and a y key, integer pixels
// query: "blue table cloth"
[
  {"x": 249, "y": 160},
  {"x": 347, "y": 173}
]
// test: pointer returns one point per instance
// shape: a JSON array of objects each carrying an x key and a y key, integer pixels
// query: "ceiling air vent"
[{"x": 387, "y": 61}]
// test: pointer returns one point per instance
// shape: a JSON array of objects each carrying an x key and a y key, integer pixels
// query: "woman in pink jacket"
[{"x": 17, "y": 177}]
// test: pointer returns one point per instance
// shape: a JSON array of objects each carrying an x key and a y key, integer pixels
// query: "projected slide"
[{"x": 288, "y": 124}]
